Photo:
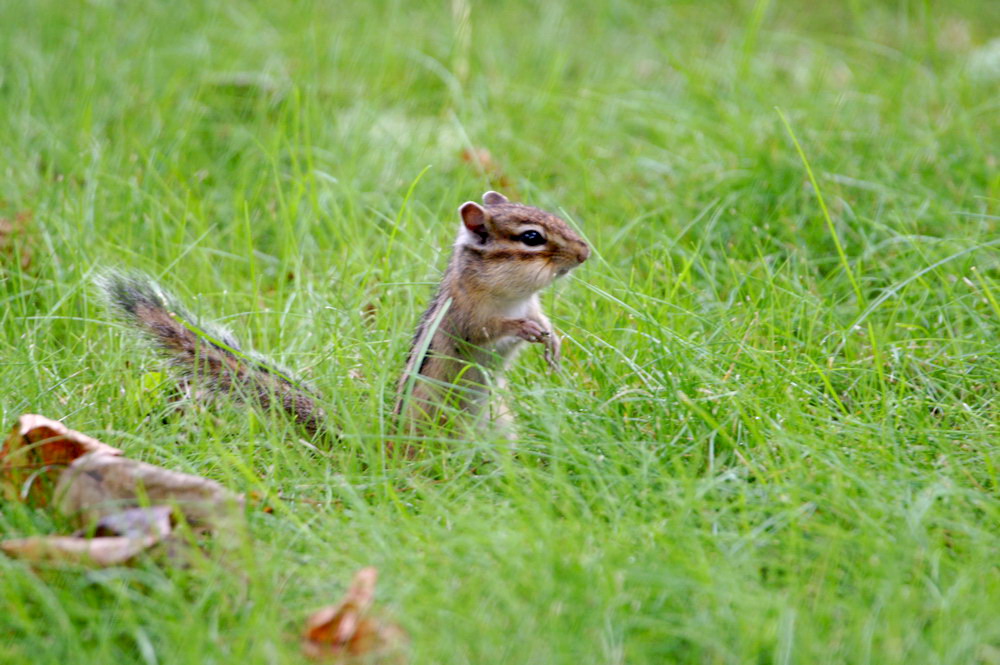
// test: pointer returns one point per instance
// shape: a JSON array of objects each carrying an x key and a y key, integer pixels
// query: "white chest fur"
[{"x": 518, "y": 309}]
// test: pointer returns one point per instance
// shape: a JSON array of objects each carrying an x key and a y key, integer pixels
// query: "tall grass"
[{"x": 776, "y": 436}]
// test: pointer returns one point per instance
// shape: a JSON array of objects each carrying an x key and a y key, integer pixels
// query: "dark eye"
[{"x": 531, "y": 238}]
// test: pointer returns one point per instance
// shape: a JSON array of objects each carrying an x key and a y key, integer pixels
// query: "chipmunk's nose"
[{"x": 582, "y": 252}]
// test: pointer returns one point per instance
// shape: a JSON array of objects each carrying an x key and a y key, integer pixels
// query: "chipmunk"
[{"x": 485, "y": 308}]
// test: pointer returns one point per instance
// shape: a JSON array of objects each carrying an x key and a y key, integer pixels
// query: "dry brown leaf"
[
  {"x": 36, "y": 452},
  {"x": 134, "y": 523},
  {"x": 130, "y": 504},
  {"x": 99, "y": 485},
  {"x": 347, "y": 633},
  {"x": 482, "y": 161},
  {"x": 44, "y": 462},
  {"x": 480, "y": 158},
  {"x": 110, "y": 551},
  {"x": 14, "y": 241},
  {"x": 369, "y": 312},
  {"x": 117, "y": 539}
]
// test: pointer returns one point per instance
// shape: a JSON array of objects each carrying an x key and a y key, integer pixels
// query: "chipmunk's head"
[{"x": 516, "y": 249}]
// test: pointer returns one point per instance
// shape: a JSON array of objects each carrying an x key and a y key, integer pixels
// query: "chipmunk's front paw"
[
  {"x": 553, "y": 353},
  {"x": 532, "y": 331}
]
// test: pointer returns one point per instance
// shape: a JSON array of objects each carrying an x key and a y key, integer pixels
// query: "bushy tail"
[{"x": 209, "y": 356}]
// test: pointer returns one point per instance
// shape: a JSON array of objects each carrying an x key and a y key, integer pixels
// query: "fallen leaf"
[
  {"x": 369, "y": 312},
  {"x": 98, "y": 485},
  {"x": 129, "y": 505},
  {"x": 110, "y": 551},
  {"x": 481, "y": 158},
  {"x": 347, "y": 633},
  {"x": 134, "y": 523},
  {"x": 14, "y": 240},
  {"x": 482, "y": 161},
  {"x": 36, "y": 452},
  {"x": 116, "y": 539},
  {"x": 44, "y": 462}
]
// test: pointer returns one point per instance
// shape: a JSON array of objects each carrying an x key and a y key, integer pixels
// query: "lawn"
[{"x": 776, "y": 436}]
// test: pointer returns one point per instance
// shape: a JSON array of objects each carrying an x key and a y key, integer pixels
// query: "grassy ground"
[{"x": 776, "y": 439}]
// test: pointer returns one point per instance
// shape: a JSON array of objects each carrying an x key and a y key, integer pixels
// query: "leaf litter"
[
  {"x": 15, "y": 242},
  {"x": 348, "y": 632},
  {"x": 128, "y": 507},
  {"x": 125, "y": 506}
]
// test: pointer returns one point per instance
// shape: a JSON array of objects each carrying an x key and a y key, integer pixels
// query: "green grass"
[{"x": 776, "y": 436}]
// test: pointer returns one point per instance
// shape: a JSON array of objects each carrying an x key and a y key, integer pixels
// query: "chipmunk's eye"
[{"x": 531, "y": 238}]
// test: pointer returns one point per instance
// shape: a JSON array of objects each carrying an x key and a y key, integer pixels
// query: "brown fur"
[
  {"x": 212, "y": 359},
  {"x": 486, "y": 307}
]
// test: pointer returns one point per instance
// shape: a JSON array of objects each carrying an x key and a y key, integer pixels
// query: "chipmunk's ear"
[
  {"x": 492, "y": 198},
  {"x": 474, "y": 218}
]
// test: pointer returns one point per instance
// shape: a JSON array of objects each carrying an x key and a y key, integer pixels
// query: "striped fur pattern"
[
  {"x": 485, "y": 309},
  {"x": 207, "y": 355}
]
